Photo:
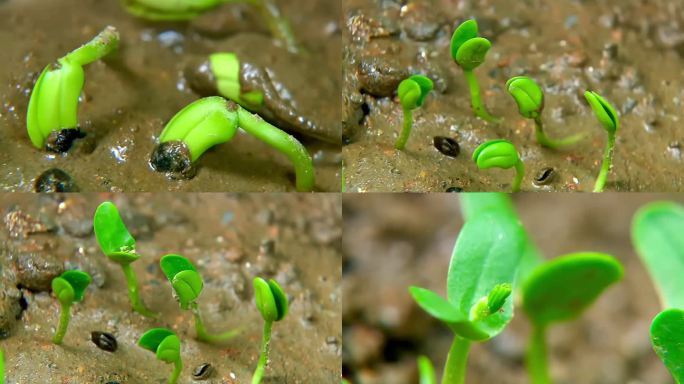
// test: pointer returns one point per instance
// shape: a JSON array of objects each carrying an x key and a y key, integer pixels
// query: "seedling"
[
  {"x": 2, "y": 367},
  {"x": 608, "y": 117},
  {"x": 187, "y": 286},
  {"x": 412, "y": 93},
  {"x": 480, "y": 279},
  {"x": 69, "y": 288},
  {"x": 166, "y": 345},
  {"x": 530, "y": 99},
  {"x": 52, "y": 116},
  {"x": 657, "y": 237},
  {"x": 225, "y": 68},
  {"x": 214, "y": 120},
  {"x": 272, "y": 303},
  {"x": 426, "y": 371},
  {"x": 468, "y": 51},
  {"x": 119, "y": 246},
  {"x": 500, "y": 154}
]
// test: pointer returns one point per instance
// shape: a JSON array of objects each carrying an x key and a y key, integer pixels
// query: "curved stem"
[
  {"x": 545, "y": 141},
  {"x": 63, "y": 324},
  {"x": 277, "y": 23},
  {"x": 607, "y": 161},
  {"x": 178, "y": 367},
  {"x": 133, "y": 292},
  {"x": 457, "y": 361},
  {"x": 201, "y": 330},
  {"x": 263, "y": 359},
  {"x": 97, "y": 48},
  {"x": 426, "y": 371},
  {"x": 519, "y": 175},
  {"x": 536, "y": 358},
  {"x": 405, "y": 131},
  {"x": 283, "y": 142},
  {"x": 476, "y": 100}
]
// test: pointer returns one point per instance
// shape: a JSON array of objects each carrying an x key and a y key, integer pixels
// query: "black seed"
[
  {"x": 173, "y": 158},
  {"x": 202, "y": 372},
  {"x": 104, "y": 341},
  {"x": 55, "y": 180},
  {"x": 447, "y": 146},
  {"x": 60, "y": 141},
  {"x": 545, "y": 176},
  {"x": 454, "y": 189}
]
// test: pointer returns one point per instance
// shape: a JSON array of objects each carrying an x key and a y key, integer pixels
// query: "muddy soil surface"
[
  {"x": 127, "y": 99},
  {"x": 230, "y": 238},
  {"x": 392, "y": 242},
  {"x": 630, "y": 51}
]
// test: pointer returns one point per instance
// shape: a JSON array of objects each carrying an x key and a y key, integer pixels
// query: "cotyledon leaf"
[
  {"x": 667, "y": 336},
  {"x": 111, "y": 233}
]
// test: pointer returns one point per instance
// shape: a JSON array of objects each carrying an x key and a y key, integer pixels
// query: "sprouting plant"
[
  {"x": 426, "y": 371},
  {"x": 468, "y": 51},
  {"x": 657, "y": 237},
  {"x": 412, "y": 93},
  {"x": 166, "y": 345},
  {"x": 500, "y": 154},
  {"x": 187, "y": 286},
  {"x": 119, "y": 246},
  {"x": 272, "y": 303},
  {"x": 52, "y": 116},
  {"x": 215, "y": 120},
  {"x": 69, "y": 288},
  {"x": 2, "y": 367},
  {"x": 480, "y": 279},
  {"x": 225, "y": 67},
  {"x": 530, "y": 99},
  {"x": 608, "y": 117}
]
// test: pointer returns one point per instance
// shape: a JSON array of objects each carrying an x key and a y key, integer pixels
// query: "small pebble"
[
  {"x": 675, "y": 150},
  {"x": 447, "y": 146},
  {"x": 55, "y": 180},
  {"x": 545, "y": 176},
  {"x": 202, "y": 371},
  {"x": 105, "y": 341}
]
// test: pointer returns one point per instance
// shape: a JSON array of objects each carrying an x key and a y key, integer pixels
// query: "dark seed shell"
[
  {"x": 60, "y": 141},
  {"x": 545, "y": 176},
  {"x": 447, "y": 146},
  {"x": 54, "y": 180},
  {"x": 173, "y": 158},
  {"x": 103, "y": 340},
  {"x": 202, "y": 371},
  {"x": 454, "y": 189}
]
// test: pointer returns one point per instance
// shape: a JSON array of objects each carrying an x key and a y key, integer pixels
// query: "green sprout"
[
  {"x": 225, "y": 67},
  {"x": 52, "y": 116},
  {"x": 426, "y": 371},
  {"x": 166, "y": 345},
  {"x": 214, "y": 120},
  {"x": 656, "y": 234},
  {"x": 119, "y": 246},
  {"x": 2, "y": 367},
  {"x": 468, "y": 51},
  {"x": 412, "y": 93},
  {"x": 500, "y": 154},
  {"x": 272, "y": 303},
  {"x": 187, "y": 286},
  {"x": 530, "y": 99},
  {"x": 608, "y": 117},
  {"x": 69, "y": 288},
  {"x": 480, "y": 279}
]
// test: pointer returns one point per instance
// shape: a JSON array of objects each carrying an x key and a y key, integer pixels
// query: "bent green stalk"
[
  {"x": 476, "y": 99},
  {"x": 134, "y": 292},
  {"x": 406, "y": 130},
  {"x": 545, "y": 141},
  {"x": 177, "y": 368},
  {"x": 519, "y": 175},
  {"x": 536, "y": 359},
  {"x": 607, "y": 161},
  {"x": 263, "y": 358},
  {"x": 64, "y": 318},
  {"x": 457, "y": 361},
  {"x": 203, "y": 334}
]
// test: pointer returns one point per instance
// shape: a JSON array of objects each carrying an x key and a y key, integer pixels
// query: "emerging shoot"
[
  {"x": 272, "y": 303},
  {"x": 52, "y": 115},
  {"x": 426, "y": 371},
  {"x": 468, "y": 51},
  {"x": 608, "y": 117},
  {"x": 412, "y": 93},
  {"x": 225, "y": 68},
  {"x": 69, "y": 288},
  {"x": 2, "y": 367},
  {"x": 166, "y": 345},
  {"x": 214, "y": 120},
  {"x": 119, "y": 246},
  {"x": 187, "y": 286},
  {"x": 500, "y": 154}
]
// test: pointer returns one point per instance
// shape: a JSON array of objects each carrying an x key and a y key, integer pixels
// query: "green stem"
[
  {"x": 133, "y": 292},
  {"x": 519, "y": 175},
  {"x": 283, "y": 142},
  {"x": 201, "y": 330},
  {"x": 457, "y": 361},
  {"x": 476, "y": 100},
  {"x": 607, "y": 161},
  {"x": 277, "y": 24},
  {"x": 536, "y": 357},
  {"x": 178, "y": 367},
  {"x": 545, "y": 141},
  {"x": 63, "y": 324},
  {"x": 97, "y": 48},
  {"x": 263, "y": 359},
  {"x": 406, "y": 130}
]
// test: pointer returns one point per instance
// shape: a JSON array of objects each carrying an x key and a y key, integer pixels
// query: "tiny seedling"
[
  {"x": 480, "y": 279},
  {"x": 225, "y": 68},
  {"x": 500, "y": 154},
  {"x": 608, "y": 117},
  {"x": 468, "y": 51},
  {"x": 657, "y": 237},
  {"x": 214, "y": 120},
  {"x": 187, "y": 286},
  {"x": 52, "y": 116},
  {"x": 272, "y": 303},
  {"x": 166, "y": 345},
  {"x": 69, "y": 288},
  {"x": 2, "y": 367},
  {"x": 119, "y": 246},
  {"x": 530, "y": 99},
  {"x": 412, "y": 93},
  {"x": 426, "y": 371}
]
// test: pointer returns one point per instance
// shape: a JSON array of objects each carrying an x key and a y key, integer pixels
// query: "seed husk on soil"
[
  {"x": 447, "y": 146},
  {"x": 105, "y": 341}
]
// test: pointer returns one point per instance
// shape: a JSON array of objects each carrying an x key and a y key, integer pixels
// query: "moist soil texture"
[
  {"x": 629, "y": 51},
  {"x": 229, "y": 238},
  {"x": 392, "y": 242},
  {"x": 128, "y": 97}
]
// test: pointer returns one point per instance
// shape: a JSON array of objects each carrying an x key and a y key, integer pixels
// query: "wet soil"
[
  {"x": 230, "y": 238},
  {"x": 629, "y": 51},
  {"x": 128, "y": 98},
  {"x": 392, "y": 242}
]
